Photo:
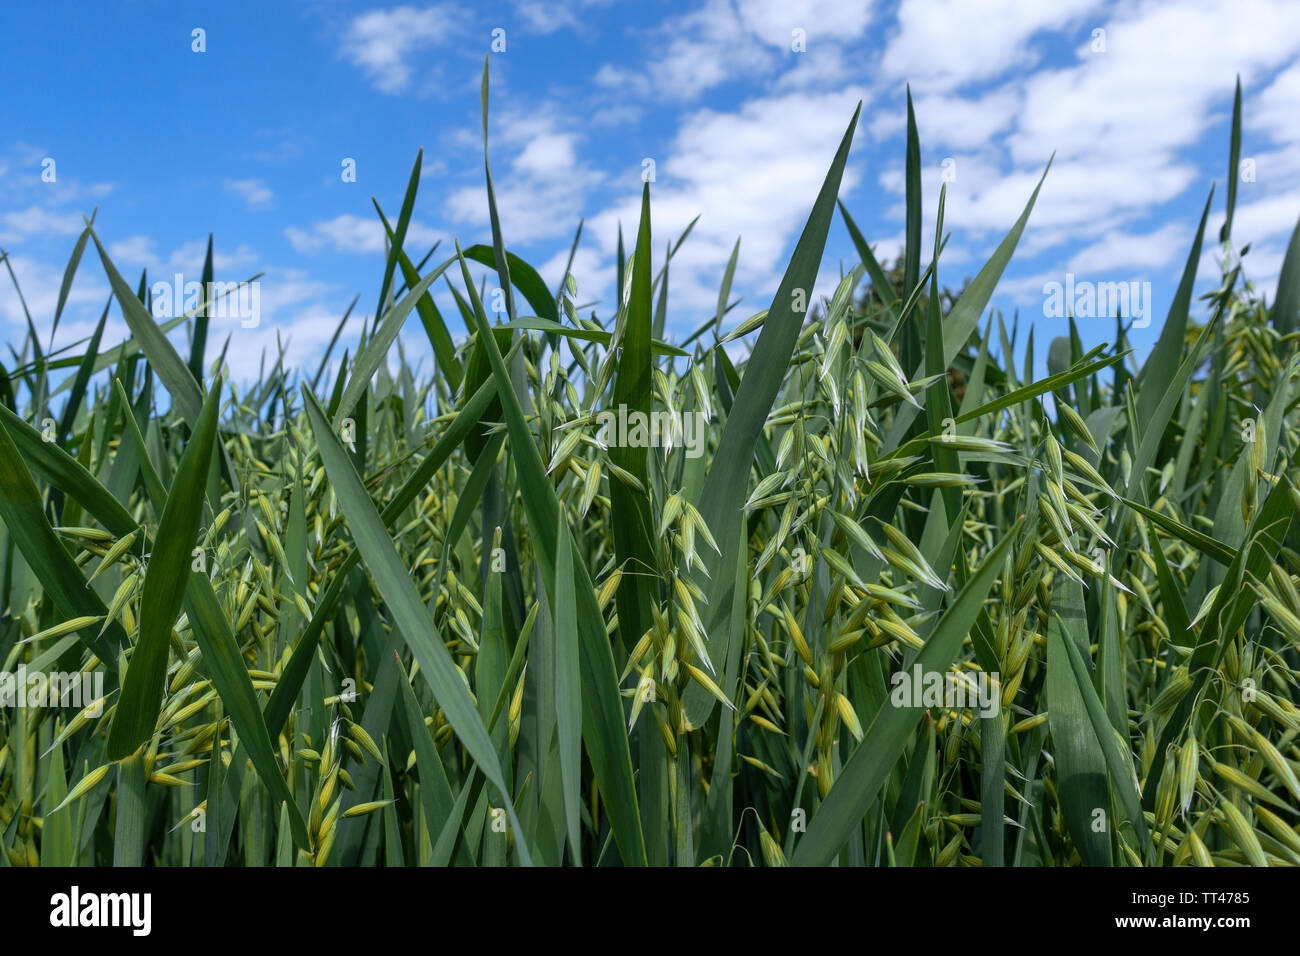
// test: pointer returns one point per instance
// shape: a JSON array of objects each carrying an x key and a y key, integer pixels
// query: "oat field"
[{"x": 839, "y": 583}]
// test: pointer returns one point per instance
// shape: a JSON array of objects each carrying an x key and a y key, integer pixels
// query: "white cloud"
[
  {"x": 23, "y": 165},
  {"x": 381, "y": 42},
  {"x": 722, "y": 41},
  {"x": 191, "y": 255},
  {"x": 691, "y": 61},
  {"x": 1025, "y": 290},
  {"x": 1274, "y": 110},
  {"x": 1078, "y": 201},
  {"x": 38, "y": 221},
  {"x": 617, "y": 115},
  {"x": 544, "y": 17},
  {"x": 951, "y": 120},
  {"x": 752, "y": 173},
  {"x": 134, "y": 251},
  {"x": 1262, "y": 266},
  {"x": 833, "y": 21},
  {"x": 594, "y": 273},
  {"x": 1125, "y": 123},
  {"x": 352, "y": 234},
  {"x": 432, "y": 169},
  {"x": 40, "y": 284},
  {"x": 282, "y": 289},
  {"x": 294, "y": 309},
  {"x": 304, "y": 332},
  {"x": 830, "y": 67},
  {"x": 1128, "y": 251},
  {"x": 255, "y": 193},
  {"x": 1152, "y": 90},
  {"x": 943, "y": 44},
  {"x": 77, "y": 330},
  {"x": 541, "y": 185},
  {"x": 140, "y": 252},
  {"x": 1268, "y": 218}
]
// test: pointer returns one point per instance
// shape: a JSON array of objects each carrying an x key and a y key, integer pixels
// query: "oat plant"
[{"x": 905, "y": 604}]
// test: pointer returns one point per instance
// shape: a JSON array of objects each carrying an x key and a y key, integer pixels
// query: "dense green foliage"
[{"x": 365, "y": 617}]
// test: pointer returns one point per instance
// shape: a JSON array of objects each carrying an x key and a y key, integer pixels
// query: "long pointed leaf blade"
[
  {"x": 410, "y": 616},
  {"x": 163, "y": 593},
  {"x": 602, "y": 706},
  {"x": 726, "y": 485},
  {"x": 864, "y": 774}
]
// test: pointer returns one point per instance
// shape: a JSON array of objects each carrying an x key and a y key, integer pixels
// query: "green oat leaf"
[
  {"x": 163, "y": 593},
  {"x": 372, "y": 356},
  {"x": 199, "y": 339},
  {"x": 568, "y": 687},
  {"x": 1286, "y": 307},
  {"x": 410, "y": 616},
  {"x": 444, "y": 349},
  {"x": 1203, "y": 543},
  {"x": 963, "y": 320},
  {"x": 860, "y": 780},
  {"x": 398, "y": 236},
  {"x": 1120, "y": 765},
  {"x": 171, "y": 369},
  {"x": 524, "y": 277},
  {"x": 880, "y": 283},
  {"x": 603, "y": 719},
  {"x": 587, "y": 335},
  {"x": 286, "y": 691},
  {"x": 23, "y": 515},
  {"x": 635, "y": 547},
  {"x": 725, "y": 488},
  {"x": 1234, "y": 158},
  {"x": 1080, "y": 761},
  {"x": 1163, "y": 362}
]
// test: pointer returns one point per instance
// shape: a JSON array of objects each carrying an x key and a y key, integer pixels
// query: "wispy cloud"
[
  {"x": 382, "y": 43},
  {"x": 540, "y": 177},
  {"x": 941, "y": 45},
  {"x": 141, "y": 252},
  {"x": 351, "y": 234},
  {"x": 37, "y": 221},
  {"x": 742, "y": 173},
  {"x": 722, "y": 41},
  {"x": 255, "y": 193}
]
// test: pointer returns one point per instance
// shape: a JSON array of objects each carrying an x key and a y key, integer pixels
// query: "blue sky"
[{"x": 247, "y": 138}]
